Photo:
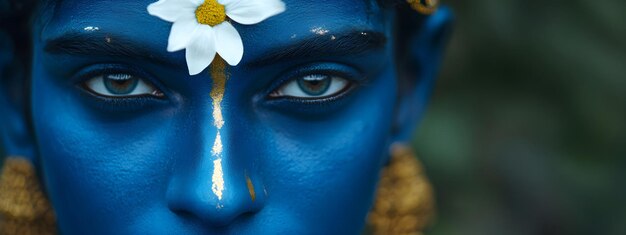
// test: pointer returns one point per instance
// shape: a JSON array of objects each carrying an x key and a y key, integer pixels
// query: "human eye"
[
  {"x": 313, "y": 87},
  {"x": 120, "y": 85}
]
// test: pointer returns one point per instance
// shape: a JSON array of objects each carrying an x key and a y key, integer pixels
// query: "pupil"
[
  {"x": 314, "y": 85},
  {"x": 120, "y": 84}
]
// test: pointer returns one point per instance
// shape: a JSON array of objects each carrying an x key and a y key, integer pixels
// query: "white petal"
[
  {"x": 228, "y": 43},
  {"x": 182, "y": 28},
  {"x": 227, "y": 2},
  {"x": 170, "y": 10},
  {"x": 252, "y": 11},
  {"x": 201, "y": 49}
]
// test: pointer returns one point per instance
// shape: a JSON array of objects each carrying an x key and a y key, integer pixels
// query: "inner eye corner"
[{"x": 158, "y": 93}]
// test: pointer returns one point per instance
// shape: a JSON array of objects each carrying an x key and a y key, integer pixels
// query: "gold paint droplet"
[{"x": 251, "y": 188}]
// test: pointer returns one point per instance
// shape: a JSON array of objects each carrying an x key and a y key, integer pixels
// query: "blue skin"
[{"x": 143, "y": 165}]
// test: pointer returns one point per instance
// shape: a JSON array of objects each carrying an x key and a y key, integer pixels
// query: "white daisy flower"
[{"x": 202, "y": 27}]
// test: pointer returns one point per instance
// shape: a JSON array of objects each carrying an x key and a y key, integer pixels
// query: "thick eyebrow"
[
  {"x": 88, "y": 44},
  {"x": 326, "y": 45}
]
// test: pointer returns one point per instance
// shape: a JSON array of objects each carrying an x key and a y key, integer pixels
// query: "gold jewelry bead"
[
  {"x": 24, "y": 209},
  {"x": 425, "y": 7},
  {"x": 405, "y": 201}
]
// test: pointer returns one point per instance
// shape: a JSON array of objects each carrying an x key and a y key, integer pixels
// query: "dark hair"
[
  {"x": 15, "y": 21},
  {"x": 16, "y": 51}
]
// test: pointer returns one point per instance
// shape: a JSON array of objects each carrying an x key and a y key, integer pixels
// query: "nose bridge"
[{"x": 215, "y": 188}]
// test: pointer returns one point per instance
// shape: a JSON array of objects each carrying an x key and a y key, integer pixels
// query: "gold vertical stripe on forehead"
[{"x": 219, "y": 76}]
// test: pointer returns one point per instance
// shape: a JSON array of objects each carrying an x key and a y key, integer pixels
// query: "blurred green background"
[{"x": 526, "y": 132}]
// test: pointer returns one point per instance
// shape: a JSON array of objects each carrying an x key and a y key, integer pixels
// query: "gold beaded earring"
[
  {"x": 405, "y": 201},
  {"x": 426, "y": 7},
  {"x": 24, "y": 208}
]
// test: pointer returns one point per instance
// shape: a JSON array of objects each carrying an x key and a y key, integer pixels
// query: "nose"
[
  {"x": 215, "y": 189},
  {"x": 210, "y": 183}
]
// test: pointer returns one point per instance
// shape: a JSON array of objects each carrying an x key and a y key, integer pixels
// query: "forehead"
[
  {"x": 130, "y": 19},
  {"x": 133, "y": 13}
]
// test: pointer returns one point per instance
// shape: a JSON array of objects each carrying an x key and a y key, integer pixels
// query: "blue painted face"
[{"x": 126, "y": 138}]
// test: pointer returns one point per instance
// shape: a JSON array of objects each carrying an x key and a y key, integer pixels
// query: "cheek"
[
  {"x": 324, "y": 172},
  {"x": 93, "y": 165}
]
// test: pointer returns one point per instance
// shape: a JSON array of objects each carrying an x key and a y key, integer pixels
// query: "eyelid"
[
  {"x": 332, "y": 89},
  {"x": 353, "y": 75},
  {"x": 96, "y": 81},
  {"x": 93, "y": 71}
]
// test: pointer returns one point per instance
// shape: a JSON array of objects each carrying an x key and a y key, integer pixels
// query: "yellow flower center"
[{"x": 211, "y": 13}]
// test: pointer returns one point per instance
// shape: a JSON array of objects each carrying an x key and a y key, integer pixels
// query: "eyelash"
[
  {"x": 352, "y": 76},
  {"x": 354, "y": 79},
  {"x": 131, "y": 101}
]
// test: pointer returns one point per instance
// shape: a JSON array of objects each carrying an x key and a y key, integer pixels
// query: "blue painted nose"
[{"x": 214, "y": 189}]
